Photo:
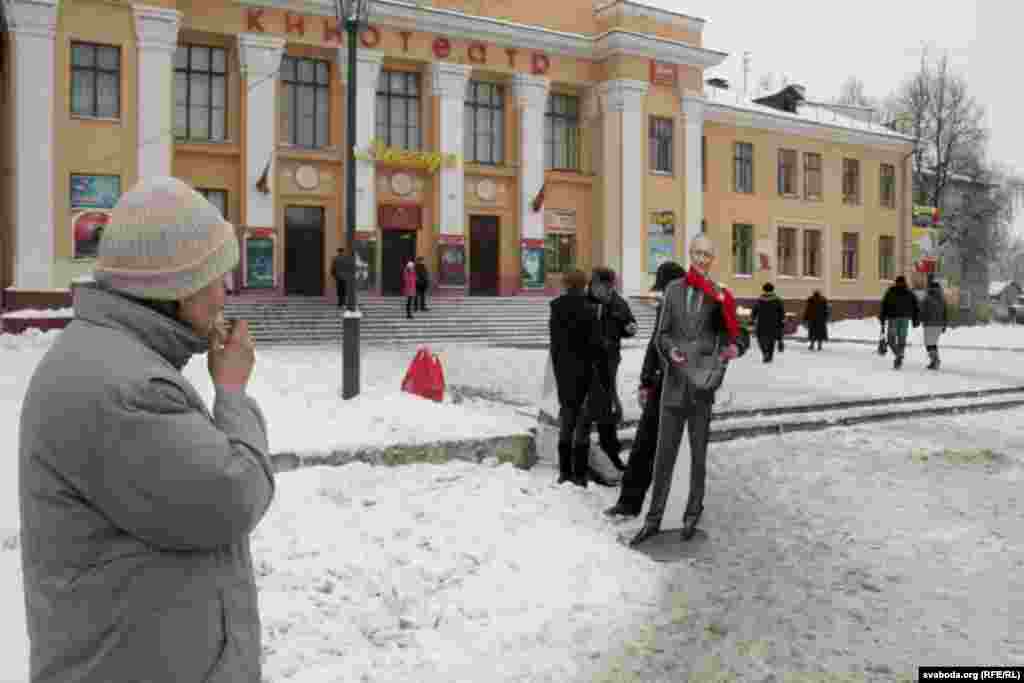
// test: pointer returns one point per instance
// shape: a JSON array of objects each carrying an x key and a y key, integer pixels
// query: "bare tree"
[{"x": 851, "y": 92}]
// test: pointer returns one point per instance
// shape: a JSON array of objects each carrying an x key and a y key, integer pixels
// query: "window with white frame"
[
  {"x": 849, "y": 255},
  {"x": 851, "y": 181},
  {"x": 743, "y": 249},
  {"x": 812, "y": 176},
  {"x": 743, "y": 168},
  {"x": 787, "y": 251},
  {"x": 887, "y": 185},
  {"x": 812, "y": 253},
  {"x": 886, "y": 257},
  {"x": 787, "y": 172}
]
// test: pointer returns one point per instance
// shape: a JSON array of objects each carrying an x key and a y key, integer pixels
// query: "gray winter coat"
[{"x": 136, "y": 507}]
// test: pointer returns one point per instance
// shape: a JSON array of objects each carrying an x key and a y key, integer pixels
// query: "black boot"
[
  {"x": 646, "y": 531},
  {"x": 897, "y": 362},
  {"x": 622, "y": 509},
  {"x": 690, "y": 520},
  {"x": 564, "y": 462},
  {"x": 580, "y": 464}
]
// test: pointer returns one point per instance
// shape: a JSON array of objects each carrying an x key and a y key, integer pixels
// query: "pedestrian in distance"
[
  {"x": 817, "y": 313},
  {"x": 697, "y": 336},
  {"x": 422, "y": 284},
  {"x": 409, "y": 287},
  {"x": 640, "y": 467},
  {"x": 137, "y": 501},
  {"x": 899, "y": 311},
  {"x": 934, "y": 320},
  {"x": 339, "y": 269},
  {"x": 768, "y": 317},
  {"x": 577, "y": 357}
]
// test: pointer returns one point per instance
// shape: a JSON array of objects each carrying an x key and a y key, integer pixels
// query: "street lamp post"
[{"x": 353, "y": 14}]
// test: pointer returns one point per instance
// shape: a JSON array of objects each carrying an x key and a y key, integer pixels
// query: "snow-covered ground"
[
  {"x": 467, "y": 573},
  {"x": 994, "y": 335}
]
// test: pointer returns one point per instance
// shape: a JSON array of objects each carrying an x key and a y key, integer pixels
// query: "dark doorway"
[
  {"x": 397, "y": 248},
  {"x": 483, "y": 255},
  {"x": 304, "y": 250}
]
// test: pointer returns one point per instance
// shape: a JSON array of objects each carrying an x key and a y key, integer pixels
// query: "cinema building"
[{"x": 504, "y": 148}]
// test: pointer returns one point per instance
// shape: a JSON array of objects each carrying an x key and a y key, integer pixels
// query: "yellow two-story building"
[{"x": 504, "y": 142}]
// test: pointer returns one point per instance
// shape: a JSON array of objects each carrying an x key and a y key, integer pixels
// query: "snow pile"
[
  {"x": 41, "y": 313},
  {"x": 994, "y": 335}
]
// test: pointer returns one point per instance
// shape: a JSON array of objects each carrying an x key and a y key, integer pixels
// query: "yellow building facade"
[{"x": 503, "y": 142}]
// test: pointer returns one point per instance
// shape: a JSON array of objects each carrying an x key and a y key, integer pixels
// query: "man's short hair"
[
  {"x": 703, "y": 239},
  {"x": 604, "y": 274},
  {"x": 575, "y": 279}
]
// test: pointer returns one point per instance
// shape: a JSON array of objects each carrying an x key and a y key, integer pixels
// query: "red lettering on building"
[
  {"x": 294, "y": 22},
  {"x": 252, "y": 20},
  {"x": 442, "y": 47},
  {"x": 539, "y": 63},
  {"x": 478, "y": 53},
  {"x": 331, "y": 31},
  {"x": 511, "y": 52},
  {"x": 370, "y": 37},
  {"x": 406, "y": 35}
]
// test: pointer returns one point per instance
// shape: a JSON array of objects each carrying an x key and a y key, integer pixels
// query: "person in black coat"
[
  {"x": 422, "y": 284},
  {"x": 768, "y": 317},
  {"x": 640, "y": 468},
  {"x": 576, "y": 356},
  {"x": 900, "y": 309},
  {"x": 816, "y": 315},
  {"x": 339, "y": 271}
]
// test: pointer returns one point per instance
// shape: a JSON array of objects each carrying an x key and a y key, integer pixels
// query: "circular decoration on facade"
[
  {"x": 307, "y": 177},
  {"x": 401, "y": 184},
  {"x": 486, "y": 190}
]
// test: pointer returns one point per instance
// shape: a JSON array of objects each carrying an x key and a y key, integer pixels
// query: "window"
[
  {"x": 812, "y": 175},
  {"x": 95, "y": 80},
  {"x": 887, "y": 185},
  {"x": 200, "y": 93},
  {"x": 559, "y": 252},
  {"x": 398, "y": 110},
  {"x": 660, "y": 145},
  {"x": 787, "y": 251},
  {"x": 218, "y": 198},
  {"x": 851, "y": 181},
  {"x": 886, "y": 257},
  {"x": 850, "y": 255},
  {"x": 485, "y": 123},
  {"x": 305, "y": 101},
  {"x": 562, "y": 133},
  {"x": 787, "y": 171},
  {"x": 743, "y": 171},
  {"x": 743, "y": 249},
  {"x": 812, "y": 253}
]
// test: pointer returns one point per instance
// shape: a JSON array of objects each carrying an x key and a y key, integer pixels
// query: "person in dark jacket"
[
  {"x": 933, "y": 320},
  {"x": 339, "y": 271},
  {"x": 816, "y": 316},
  {"x": 422, "y": 284},
  {"x": 768, "y": 317},
  {"x": 640, "y": 467},
  {"x": 899, "y": 310},
  {"x": 576, "y": 356},
  {"x": 615, "y": 322}
]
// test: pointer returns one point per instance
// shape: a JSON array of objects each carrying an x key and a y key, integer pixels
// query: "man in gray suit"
[{"x": 697, "y": 336}]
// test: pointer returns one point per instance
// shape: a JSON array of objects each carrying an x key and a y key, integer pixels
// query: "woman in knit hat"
[{"x": 137, "y": 501}]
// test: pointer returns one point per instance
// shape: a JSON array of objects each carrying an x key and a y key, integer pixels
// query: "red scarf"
[{"x": 696, "y": 280}]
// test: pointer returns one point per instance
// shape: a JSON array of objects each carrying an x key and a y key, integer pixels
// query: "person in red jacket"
[{"x": 409, "y": 287}]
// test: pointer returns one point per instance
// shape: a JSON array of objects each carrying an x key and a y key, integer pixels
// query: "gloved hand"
[{"x": 730, "y": 352}]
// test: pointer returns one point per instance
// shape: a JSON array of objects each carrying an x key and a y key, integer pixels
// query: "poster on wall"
[
  {"x": 924, "y": 249},
  {"x": 92, "y": 198},
  {"x": 661, "y": 238},
  {"x": 366, "y": 263},
  {"x": 259, "y": 262},
  {"x": 532, "y": 264},
  {"x": 452, "y": 256}
]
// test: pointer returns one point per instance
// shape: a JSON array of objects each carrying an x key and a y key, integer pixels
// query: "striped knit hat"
[{"x": 164, "y": 242}]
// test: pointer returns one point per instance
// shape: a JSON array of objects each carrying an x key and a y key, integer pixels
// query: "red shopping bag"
[{"x": 425, "y": 376}]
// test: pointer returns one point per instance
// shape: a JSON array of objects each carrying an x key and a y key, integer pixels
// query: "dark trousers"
[
  {"x": 607, "y": 434},
  {"x": 767, "y": 345},
  {"x": 421, "y": 298},
  {"x": 640, "y": 468},
  {"x": 572, "y": 459},
  {"x": 342, "y": 291},
  {"x": 695, "y": 414},
  {"x": 409, "y": 302}
]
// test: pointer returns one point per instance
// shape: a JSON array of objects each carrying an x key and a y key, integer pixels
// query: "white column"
[
  {"x": 368, "y": 65},
  {"x": 449, "y": 84},
  {"x": 693, "y": 131},
  {"x": 260, "y": 60},
  {"x": 531, "y": 94},
  {"x": 156, "y": 36},
  {"x": 623, "y": 104},
  {"x": 33, "y": 26}
]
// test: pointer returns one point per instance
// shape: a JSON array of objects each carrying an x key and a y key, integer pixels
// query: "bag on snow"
[
  {"x": 425, "y": 376},
  {"x": 883, "y": 343}
]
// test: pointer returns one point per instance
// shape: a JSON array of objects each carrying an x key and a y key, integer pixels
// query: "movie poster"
[{"x": 92, "y": 198}]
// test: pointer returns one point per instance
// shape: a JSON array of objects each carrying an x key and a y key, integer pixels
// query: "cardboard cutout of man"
[{"x": 697, "y": 336}]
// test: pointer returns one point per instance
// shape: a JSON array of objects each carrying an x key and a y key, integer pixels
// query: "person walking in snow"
[
  {"x": 899, "y": 311},
  {"x": 422, "y": 284},
  {"x": 816, "y": 316},
  {"x": 137, "y": 501},
  {"x": 577, "y": 357},
  {"x": 697, "y": 336},
  {"x": 934, "y": 321},
  {"x": 768, "y": 317},
  {"x": 640, "y": 468},
  {"x": 409, "y": 287}
]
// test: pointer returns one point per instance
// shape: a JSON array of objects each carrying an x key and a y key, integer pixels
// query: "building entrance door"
[
  {"x": 304, "y": 250},
  {"x": 483, "y": 255},
  {"x": 397, "y": 247}
]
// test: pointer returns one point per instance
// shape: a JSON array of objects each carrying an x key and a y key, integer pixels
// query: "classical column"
[
  {"x": 623, "y": 177},
  {"x": 449, "y": 85},
  {"x": 33, "y": 26},
  {"x": 693, "y": 131},
  {"x": 368, "y": 64},
  {"x": 260, "y": 60},
  {"x": 156, "y": 36},
  {"x": 531, "y": 94}
]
